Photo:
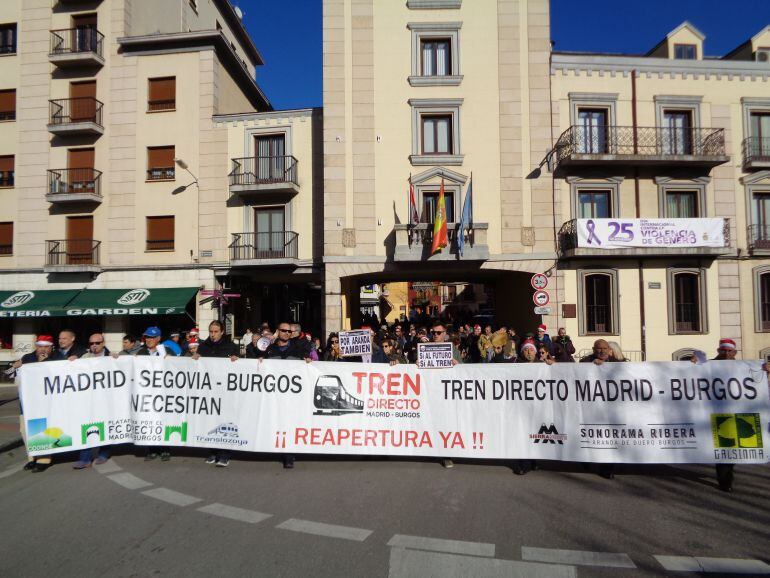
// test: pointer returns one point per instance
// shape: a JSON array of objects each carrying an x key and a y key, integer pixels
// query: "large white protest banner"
[{"x": 677, "y": 412}]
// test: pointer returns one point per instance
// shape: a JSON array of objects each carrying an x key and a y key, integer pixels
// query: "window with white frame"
[
  {"x": 435, "y": 53},
  {"x": 762, "y": 299}
]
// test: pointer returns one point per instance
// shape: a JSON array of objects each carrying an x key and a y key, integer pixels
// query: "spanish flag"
[{"x": 439, "y": 223}]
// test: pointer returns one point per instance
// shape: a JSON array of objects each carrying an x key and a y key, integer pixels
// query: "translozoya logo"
[
  {"x": 172, "y": 429},
  {"x": 548, "y": 435},
  {"x": 18, "y": 299},
  {"x": 134, "y": 297},
  {"x": 92, "y": 429},
  {"x": 41, "y": 437},
  {"x": 331, "y": 398},
  {"x": 736, "y": 430}
]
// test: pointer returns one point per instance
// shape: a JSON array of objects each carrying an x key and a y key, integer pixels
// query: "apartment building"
[
  {"x": 113, "y": 175},
  {"x": 672, "y": 144}
]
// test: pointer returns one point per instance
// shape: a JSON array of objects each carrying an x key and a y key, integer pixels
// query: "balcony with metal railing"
[
  {"x": 756, "y": 153},
  {"x": 82, "y": 46},
  {"x": 75, "y": 116},
  {"x": 72, "y": 256},
  {"x": 759, "y": 239},
  {"x": 260, "y": 176},
  {"x": 635, "y": 238},
  {"x": 74, "y": 186},
  {"x": 414, "y": 243},
  {"x": 583, "y": 146},
  {"x": 271, "y": 248}
]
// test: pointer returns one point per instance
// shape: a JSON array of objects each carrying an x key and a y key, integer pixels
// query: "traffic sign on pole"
[
  {"x": 539, "y": 281},
  {"x": 541, "y": 298}
]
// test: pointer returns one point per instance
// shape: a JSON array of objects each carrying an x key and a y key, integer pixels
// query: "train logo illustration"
[{"x": 331, "y": 398}]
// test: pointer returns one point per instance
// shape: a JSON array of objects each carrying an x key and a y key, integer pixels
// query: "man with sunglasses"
[
  {"x": 439, "y": 335},
  {"x": 96, "y": 348}
]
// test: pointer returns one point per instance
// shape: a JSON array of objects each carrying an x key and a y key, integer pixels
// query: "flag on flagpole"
[
  {"x": 439, "y": 223},
  {"x": 413, "y": 204},
  {"x": 466, "y": 220}
]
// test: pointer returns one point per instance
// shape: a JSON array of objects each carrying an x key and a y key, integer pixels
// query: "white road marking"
[
  {"x": 576, "y": 557},
  {"x": 108, "y": 467},
  {"x": 713, "y": 565},
  {"x": 11, "y": 470},
  {"x": 439, "y": 545},
  {"x": 327, "y": 530},
  {"x": 418, "y": 564},
  {"x": 233, "y": 513},
  {"x": 172, "y": 497},
  {"x": 129, "y": 481}
]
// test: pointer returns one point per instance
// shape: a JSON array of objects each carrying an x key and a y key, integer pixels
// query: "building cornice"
[
  {"x": 601, "y": 63},
  {"x": 236, "y": 24},
  {"x": 273, "y": 114},
  {"x": 152, "y": 44}
]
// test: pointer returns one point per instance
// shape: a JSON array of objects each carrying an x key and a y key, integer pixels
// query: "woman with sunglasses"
[{"x": 332, "y": 351}]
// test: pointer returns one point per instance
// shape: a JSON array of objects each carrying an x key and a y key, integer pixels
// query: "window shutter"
[
  {"x": 160, "y": 233},
  {"x": 7, "y": 101},
  {"x": 162, "y": 93},
  {"x": 160, "y": 157},
  {"x": 7, "y": 164},
  {"x": 6, "y": 238}
]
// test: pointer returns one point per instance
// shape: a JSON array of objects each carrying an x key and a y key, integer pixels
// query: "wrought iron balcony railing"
[
  {"x": 422, "y": 234},
  {"x": 72, "y": 252},
  {"x": 639, "y": 141},
  {"x": 74, "y": 182},
  {"x": 79, "y": 40},
  {"x": 7, "y": 178},
  {"x": 272, "y": 245},
  {"x": 74, "y": 110},
  {"x": 161, "y": 174},
  {"x": 756, "y": 149},
  {"x": 759, "y": 237},
  {"x": 264, "y": 170}
]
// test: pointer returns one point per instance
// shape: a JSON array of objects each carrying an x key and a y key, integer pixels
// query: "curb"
[{"x": 14, "y": 443}]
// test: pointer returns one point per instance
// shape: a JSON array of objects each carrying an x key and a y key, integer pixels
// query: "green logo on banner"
[
  {"x": 41, "y": 437},
  {"x": 88, "y": 430},
  {"x": 172, "y": 429},
  {"x": 736, "y": 430}
]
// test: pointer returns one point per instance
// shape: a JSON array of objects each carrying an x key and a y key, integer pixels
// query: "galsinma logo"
[
  {"x": 736, "y": 430},
  {"x": 172, "y": 429},
  {"x": 133, "y": 297},
  {"x": 92, "y": 429},
  {"x": 18, "y": 299}
]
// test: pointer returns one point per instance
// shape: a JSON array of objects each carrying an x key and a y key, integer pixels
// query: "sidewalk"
[{"x": 9, "y": 417}]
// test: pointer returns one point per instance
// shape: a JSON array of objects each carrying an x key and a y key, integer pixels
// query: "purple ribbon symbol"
[{"x": 591, "y": 226}]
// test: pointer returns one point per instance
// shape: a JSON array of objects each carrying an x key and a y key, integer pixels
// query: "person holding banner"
[
  {"x": 43, "y": 352},
  {"x": 152, "y": 345},
  {"x": 726, "y": 351},
  {"x": 332, "y": 351},
  {"x": 68, "y": 349},
  {"x": 96, "y": 348},
  {"x": 439, "y": 333}
]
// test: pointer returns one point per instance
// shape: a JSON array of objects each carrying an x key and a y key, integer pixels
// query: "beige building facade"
[{"x": 119, "y": 172}]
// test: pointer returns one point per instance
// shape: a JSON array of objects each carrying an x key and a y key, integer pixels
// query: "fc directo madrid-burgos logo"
[
  {"x": 134, "y": 297},
  {"x": 18, "y": 299}
]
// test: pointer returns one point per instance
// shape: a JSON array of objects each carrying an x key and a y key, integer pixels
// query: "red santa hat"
[
  {"x": 194, "y": 331},
  {"x": 727, "y": 344},
  {"x": 542, "y": 328},
  {"x": 44, "y": 340},
  {"x": 193, "y": 342},
  {"x": 528, "y": 343}
]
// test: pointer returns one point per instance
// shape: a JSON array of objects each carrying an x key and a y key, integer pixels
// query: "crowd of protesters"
[{"x": 391, "y": 343}]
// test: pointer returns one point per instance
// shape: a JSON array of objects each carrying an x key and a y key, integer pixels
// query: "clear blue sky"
[{"x": 288, "y": 33}]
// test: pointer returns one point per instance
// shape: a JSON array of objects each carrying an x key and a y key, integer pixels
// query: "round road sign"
[
  {"x": 541, "y": 298},
  {"x": 539, "y": 281}
]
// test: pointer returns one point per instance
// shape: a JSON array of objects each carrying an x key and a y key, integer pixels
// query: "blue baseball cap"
[{"x": 151, "y": 332}]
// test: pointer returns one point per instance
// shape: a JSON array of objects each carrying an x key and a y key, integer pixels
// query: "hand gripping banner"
[{"x": 677, "y": 412}]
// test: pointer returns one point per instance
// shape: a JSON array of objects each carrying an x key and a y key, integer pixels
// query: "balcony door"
[
  {"x": 759, "y": 131},
  {"x": 682, "y": 204},
  {"x": 269, "y": 232},
  {"x": 677, "y": 132},
  {"x": 84, "y": 33},
  {"x": 761, "y": 216},
  {"x": 80, "y": 173},
  {"x": 271, "y": 160},
  {"x": 79, "y": 243},
  {"x": 430, "y": 205},
  {"x": 83, "y": 101},
  {"x": 594, "y": 205},
  {"x": 592, "y": 131}
]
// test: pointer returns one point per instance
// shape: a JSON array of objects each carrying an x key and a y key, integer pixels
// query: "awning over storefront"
[
  {"x": 131, "y": 301},
  {"x": 48, "y": 303},
  {"x": 87, "y": 302}
]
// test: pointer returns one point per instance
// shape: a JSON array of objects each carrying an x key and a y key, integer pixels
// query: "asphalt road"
[{"x": 348, "y": 517}]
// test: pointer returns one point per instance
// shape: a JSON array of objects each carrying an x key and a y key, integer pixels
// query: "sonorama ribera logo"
[
  {"x": 133, "y": 297},
  {"x": 41, "y": 437},
  {"x": 93, "y": 429},
  {"x": 548, "y": 435},
  {"x": 18, "y": 299},
  {"x": 737, "y": 436},
  {"x": 175, "y": 429}
]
